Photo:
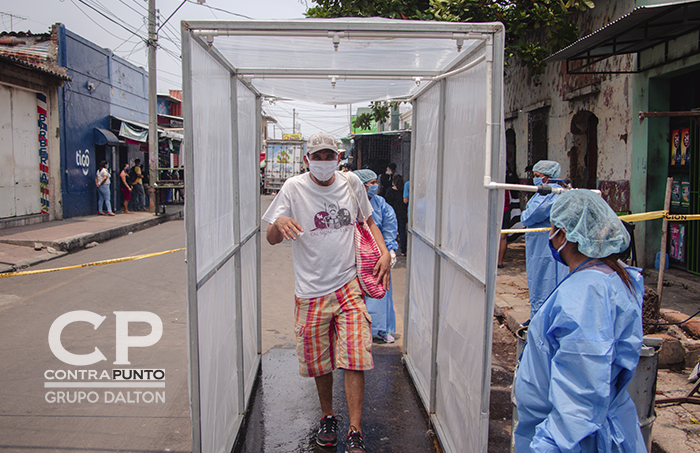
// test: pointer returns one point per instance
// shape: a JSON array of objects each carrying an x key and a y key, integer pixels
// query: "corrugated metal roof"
[
  {"x": 57, "y": 71},
  {"x": 31, "y": 51},
  {"x": 643, "y": 28}
]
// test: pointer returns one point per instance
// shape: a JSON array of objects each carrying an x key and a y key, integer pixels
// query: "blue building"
[{"x": 105, "y": 91}]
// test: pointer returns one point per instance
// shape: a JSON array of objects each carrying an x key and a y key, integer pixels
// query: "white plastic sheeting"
[
  {"x": 454, "y": 226},
  {"x": 453, "y": 242},
  {"x": 222, "y": 222}
]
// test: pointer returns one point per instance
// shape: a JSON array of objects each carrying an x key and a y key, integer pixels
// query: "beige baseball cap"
[{"x": 321, "y": 141}]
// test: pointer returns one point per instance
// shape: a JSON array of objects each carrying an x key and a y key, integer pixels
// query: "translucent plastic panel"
[
  {"x": 248, "y": 160},
  {"x": 424, "y": 180},
  {"x": 346, "y": 91},
  {"x": 402, "y": 56},
  {"x": 464, "y": 196},
  {"x": 218, "y": 373},
  {"x": 460, "y": 358},
  {"x": 298, "y": 52},
  {"x": 249, "y": 295},
  {"x": 211, "y": 134},
  {"x": 419, "y": 328}
]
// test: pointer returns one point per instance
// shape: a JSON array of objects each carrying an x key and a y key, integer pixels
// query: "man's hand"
[
  {"x": 283, "y": 228},
  {"x": 382, "y": 270}
]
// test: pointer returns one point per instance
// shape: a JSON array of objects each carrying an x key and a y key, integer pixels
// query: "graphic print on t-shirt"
[{"x": 332, "y": 217}]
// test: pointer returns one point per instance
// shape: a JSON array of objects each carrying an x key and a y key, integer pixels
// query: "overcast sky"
[{"x": 125, "y": 32}]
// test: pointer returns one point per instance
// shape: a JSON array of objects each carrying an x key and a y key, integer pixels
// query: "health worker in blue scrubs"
[
  {"x": 543, "y": 273},
  {"x": 584, "y": 342}
]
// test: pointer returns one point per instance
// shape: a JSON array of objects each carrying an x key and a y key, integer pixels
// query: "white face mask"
[{"x": 323, "y": 170}]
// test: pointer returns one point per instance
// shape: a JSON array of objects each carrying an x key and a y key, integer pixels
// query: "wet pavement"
[{"x": 285, "y": 412}]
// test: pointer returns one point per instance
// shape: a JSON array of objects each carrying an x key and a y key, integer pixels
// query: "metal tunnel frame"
[{"x": 457, "y": 160}]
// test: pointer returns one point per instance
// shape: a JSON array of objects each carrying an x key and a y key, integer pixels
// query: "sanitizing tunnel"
[{"x": 452, "y": 73}]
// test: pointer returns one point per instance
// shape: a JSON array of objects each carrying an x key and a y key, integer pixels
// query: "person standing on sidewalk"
[
  {"x": 584, "y": 343},
  {"x": 381, "y": 310},
  {"x": 316, "y": 210},
  {"x": 139, "y": 203},
  {"x": 543, "y": 273},
  {"x": 126, "y": 187},
  {"x": 102, "y": 181}
]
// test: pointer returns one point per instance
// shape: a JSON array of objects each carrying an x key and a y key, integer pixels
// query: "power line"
[
  {"x": 166, "y": 20},
  {"x": 103, "y": 29},
  {"x": 219, "y": 9},
  {"x": 106, "y": 17}
]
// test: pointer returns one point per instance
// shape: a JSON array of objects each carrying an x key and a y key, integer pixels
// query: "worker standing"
[
  {"x": 543, "y": 273},
  {"x": 584, "y": 342}
]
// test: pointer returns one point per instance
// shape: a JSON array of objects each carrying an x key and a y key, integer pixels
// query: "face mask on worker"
[
  {"x": 538, "y": 181},
  {"x": 556, "y": 253},
  {"x": 372, "y": 190},
  {"x": 323, "y": 170}
]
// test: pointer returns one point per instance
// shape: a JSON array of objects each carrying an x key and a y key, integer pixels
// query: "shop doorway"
[{"x": 583, "y": 155}]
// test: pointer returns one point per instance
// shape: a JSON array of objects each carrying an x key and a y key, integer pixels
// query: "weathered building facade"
[
  {"x": 584, "y": 112},
  {"x": 29, "y": 138}
]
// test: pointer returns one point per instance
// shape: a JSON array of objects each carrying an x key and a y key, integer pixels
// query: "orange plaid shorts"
[{"x": 333, "y": 331}]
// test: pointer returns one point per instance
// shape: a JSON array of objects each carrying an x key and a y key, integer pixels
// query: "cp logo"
[{"x": 123, "y": 340}]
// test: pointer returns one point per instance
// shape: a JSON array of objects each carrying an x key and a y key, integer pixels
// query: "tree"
[{"x": 534, "y": 28}]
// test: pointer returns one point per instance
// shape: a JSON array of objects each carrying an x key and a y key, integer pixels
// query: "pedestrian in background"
[
  {"x": 511, "y": 203},
  {"x": 102, "y": 181},
  {"x": 394, "y": 196},
  {"x": 543, "y": 273},
  {"x": 584, "y": 342},
  {"x": 139, "y": 194},
  {"x": 385, "y": 179},
  {"x": 382, "y": 310},
  {"x": 317, "y": 211},
  {"x": 126, "y": 187}
]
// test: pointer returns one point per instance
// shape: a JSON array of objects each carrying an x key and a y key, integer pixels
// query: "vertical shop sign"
[{"x": 43, "y": 152}]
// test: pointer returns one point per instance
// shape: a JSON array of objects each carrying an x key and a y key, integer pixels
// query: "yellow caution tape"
[
  {"x": 643, "y": 216},
  {"x": 96, "y": 263},
  {"x": 681, "y": 217},
  {"x": 627, "y": 218}
]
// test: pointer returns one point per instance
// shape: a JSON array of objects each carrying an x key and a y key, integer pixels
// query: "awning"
[
  {"x": 138, "y": 131},
  {"x": 126, "y": 131},
  {"x": 643, "y": 28},
  {"x": 104, "y": 137}
]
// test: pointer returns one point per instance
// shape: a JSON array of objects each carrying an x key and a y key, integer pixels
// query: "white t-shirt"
[
  {"x": 324, "y": 255},
  {"x": 101, "y": 174}
]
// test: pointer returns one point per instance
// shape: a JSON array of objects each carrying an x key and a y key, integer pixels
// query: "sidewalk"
[
  {"x": 24, "y": 246},
  {"x": 677, "y": 427}
]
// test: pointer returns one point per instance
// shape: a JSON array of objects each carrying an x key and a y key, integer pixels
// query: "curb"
[
  {"x": 74, "y": 243},
  {"x": 78, "y": 242}
]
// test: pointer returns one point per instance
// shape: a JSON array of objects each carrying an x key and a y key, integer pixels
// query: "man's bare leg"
[
  {"x": 354, "y": 393},
  {"x": 324, "y": 385}
]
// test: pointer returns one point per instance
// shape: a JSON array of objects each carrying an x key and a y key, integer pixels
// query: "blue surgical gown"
[
  {"x": 582, "y": 350},
  {"x": 543, "y": 272},
  {"x": 382, "y": 310}
]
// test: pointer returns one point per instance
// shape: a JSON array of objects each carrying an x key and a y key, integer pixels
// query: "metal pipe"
[{"x": 345, "y": 35}]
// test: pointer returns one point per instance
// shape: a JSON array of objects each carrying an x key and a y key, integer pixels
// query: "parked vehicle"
[{"x": 283, "y": 159}]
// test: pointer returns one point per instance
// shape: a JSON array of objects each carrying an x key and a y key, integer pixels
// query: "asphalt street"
[{"x": 36, "y": 416}]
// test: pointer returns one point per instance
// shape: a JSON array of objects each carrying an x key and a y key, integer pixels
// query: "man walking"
[
  {"x": 317, "y": 210},
  {"x": 137, "y": 187}
]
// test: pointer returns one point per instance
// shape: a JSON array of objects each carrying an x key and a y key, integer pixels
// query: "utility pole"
[
  {"x": 294, "y": 121},
  {"x": 152, "y": 101}
]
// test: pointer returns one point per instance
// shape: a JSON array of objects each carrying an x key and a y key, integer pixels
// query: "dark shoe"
[
  {"x": 501, "y": 266},
  {"x": 327, "y": 435},
  {"x": 353, "y": 443}
]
